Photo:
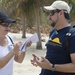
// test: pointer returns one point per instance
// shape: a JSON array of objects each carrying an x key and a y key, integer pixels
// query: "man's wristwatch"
[{"x": 53, "y": 67}]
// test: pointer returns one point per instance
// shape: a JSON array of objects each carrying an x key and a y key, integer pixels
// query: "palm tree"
[
  {"x": 29, "y": 10},
  {"x": 25, "y": 7}
]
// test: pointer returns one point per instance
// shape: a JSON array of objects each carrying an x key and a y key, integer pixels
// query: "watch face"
[{"x": 53, "y": 67}]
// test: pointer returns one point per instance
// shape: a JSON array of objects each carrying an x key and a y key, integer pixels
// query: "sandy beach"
[{"x": 26, "y": 68}]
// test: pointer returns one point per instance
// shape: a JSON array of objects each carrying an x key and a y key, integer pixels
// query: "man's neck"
[{"x": 62, "y": 24}]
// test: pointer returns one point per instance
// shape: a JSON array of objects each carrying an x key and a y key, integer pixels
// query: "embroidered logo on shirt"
[{"x": 56, "y": 40}]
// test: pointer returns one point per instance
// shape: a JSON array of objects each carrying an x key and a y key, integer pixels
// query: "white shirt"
[{"x": 4, "y": 50}]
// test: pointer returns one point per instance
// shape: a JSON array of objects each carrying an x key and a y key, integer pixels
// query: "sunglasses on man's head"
[
  {"x": 6, "y": 24},
  {"x": 54, "y": 11},
  {"x": 51, "y": 13}
]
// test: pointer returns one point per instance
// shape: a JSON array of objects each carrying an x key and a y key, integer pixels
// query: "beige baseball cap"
[{"x": 61, "y": 5}]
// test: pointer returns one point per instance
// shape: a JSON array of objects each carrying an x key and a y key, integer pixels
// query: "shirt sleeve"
[{"x": 72, "y": 43}]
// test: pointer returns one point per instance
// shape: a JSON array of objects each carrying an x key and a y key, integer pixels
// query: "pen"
[{"x": 11, "y": 45}]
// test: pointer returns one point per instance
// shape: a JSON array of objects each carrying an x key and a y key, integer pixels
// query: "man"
[
  {"x": 58, "y": 60},
  {"x": 8, "y": 51}
]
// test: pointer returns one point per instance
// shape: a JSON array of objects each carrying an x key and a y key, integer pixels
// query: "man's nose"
[{"x": 49, "y": 17}]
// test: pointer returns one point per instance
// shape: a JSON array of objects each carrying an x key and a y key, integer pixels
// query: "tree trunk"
[
  {"x": 24, "y": 26},
  {"x": 39, "y": 44}
]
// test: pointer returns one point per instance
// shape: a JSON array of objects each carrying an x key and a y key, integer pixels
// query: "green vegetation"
[{"x": 30, "y": 15}]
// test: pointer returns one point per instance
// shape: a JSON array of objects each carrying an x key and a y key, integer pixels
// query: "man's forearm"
[{"x": 70, "y": 67}]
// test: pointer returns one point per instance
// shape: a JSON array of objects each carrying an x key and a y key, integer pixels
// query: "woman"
[{"x": 8, "y": 53}]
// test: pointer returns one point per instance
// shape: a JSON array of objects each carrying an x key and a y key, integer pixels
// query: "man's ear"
[{"x": 61, "y": 13}]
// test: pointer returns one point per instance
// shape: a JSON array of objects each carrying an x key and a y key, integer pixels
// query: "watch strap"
[{"x": 53, "y": 67}]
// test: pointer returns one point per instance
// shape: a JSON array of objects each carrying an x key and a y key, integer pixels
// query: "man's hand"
[
  {"x": 34, "y": 60},
  {"x": 43, "y": 62}
]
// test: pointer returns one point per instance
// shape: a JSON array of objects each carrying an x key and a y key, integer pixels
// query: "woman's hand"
[
  {"x": 17, "y": 47},
  {"x": 28, "y": 44}
]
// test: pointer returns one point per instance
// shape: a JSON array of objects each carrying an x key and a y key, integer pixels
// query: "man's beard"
[{"x": 53, "y": 24}]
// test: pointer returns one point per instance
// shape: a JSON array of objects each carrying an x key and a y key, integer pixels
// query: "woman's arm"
[
  {"x": 20, "y": 56},
  {"x": 4, "y": 60}
]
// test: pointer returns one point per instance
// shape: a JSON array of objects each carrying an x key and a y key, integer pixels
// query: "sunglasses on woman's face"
[{"x": 5, "y": 24}]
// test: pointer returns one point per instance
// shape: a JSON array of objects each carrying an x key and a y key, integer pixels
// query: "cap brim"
[
  {"x": 49, "y": 8},
  {"x": 9, "y": 20}
]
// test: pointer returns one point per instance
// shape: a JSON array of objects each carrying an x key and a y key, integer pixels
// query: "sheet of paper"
[{"x": 34, "y": 38}]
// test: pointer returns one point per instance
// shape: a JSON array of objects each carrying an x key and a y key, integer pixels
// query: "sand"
[{"x": 26, "y": 68}]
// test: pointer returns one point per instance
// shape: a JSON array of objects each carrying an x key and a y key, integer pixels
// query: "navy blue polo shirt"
[{"x": 56, "y": 52}]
